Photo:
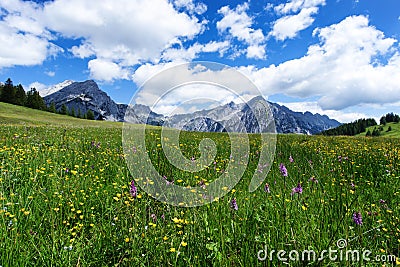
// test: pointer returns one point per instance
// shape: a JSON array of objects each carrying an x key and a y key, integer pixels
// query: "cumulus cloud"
[
  {"x": 125, "y": 34},
  {"x": 238, "y": 24},
  {"x": 289, "y": 26},
  {"x": 23, "y": 40},
  {"x": 344, "y": 68},
  {"x": 189, "y": 5},
  {"x": 172, "y": 84},
  {"x": 38, "y": 86},
  {"x": 298, "y": 15},
  {"x": 187, "y": 54},
  {"x": 107, "y": 70},
  {"x": 294, "y": 6}
]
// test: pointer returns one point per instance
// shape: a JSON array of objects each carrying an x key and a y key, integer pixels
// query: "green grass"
[
  {"x": 65, "y": 199},
  {"x": 16, "y": 115},
  {"x": 395, "y": 132}
]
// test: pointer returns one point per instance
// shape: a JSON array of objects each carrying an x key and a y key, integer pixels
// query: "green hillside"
[
  {"x": 395, "y": 132},
  {"x": 16, "y": 115}
]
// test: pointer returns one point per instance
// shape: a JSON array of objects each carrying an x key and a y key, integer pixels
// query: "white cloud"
[
  {"x": 50, "y": 73},
  {"x": 290, "y": 26},
  {"x": 313, "y": 107},
  {"x": 83, "y": 51},
  {"x": 187, "y": 54},
  {"x": 37, "y": 85},
  {"x": 190, "y": 82},
  {"x": 239, "y": 25},
  {"x": 298, "y": 15},
  {"x": 124, "y": 34},
  {"x": 106, "y": 70},
  {"x": 294, "y": 6},
  {"x": 189, "y": 5},
  {"x": 127, "y": 33},
  {"x": 343, "y": 68},
  {"x": 256, "y": 51},
  {"x": 23, "y": 40}
]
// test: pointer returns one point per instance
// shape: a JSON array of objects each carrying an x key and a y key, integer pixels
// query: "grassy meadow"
[{"x": 65, "y": 199}]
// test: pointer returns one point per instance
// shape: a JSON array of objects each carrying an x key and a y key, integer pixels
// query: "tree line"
[
  {"x": 390, "y": 117},
  {"x": 352, "y": 128},
  {"x": 16, "y": 95}
]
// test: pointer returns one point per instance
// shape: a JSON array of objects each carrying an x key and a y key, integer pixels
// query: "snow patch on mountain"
[{"x": 55, "y": 88}]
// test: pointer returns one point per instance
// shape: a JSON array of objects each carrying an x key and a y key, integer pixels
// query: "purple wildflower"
[
  {"x": 66, "y": 170},
  {"x": 133, "y": 189},
  {"x": 234, "y": 205},
  {"x": 297, "y": 190},
  {"x": 166, "y": 180},
  {"x": 283, "y": 170},
  {"x": 382, "y": 201},
  {"x": 357, "y": 218},
  {"x": 266, "y": 188},
  {"x": 312, "y": 179},
  {"x": 154, "y": 217},
  {"x": 202, "y": 184},
  {"x": 291, "y": 159},
  {"x": 352, "y": 185}
]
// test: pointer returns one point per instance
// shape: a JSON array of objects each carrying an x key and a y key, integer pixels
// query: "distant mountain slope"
[{"x": 86, "y": 95}]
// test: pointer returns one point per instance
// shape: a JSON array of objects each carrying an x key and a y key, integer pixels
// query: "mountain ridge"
[{"x": 86, "y": 95}]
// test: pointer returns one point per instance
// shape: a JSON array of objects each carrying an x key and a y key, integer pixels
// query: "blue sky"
[{"x": 335, "y": 57}]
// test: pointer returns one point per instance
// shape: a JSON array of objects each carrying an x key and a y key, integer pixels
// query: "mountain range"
[{"x": 87, "y": 95}]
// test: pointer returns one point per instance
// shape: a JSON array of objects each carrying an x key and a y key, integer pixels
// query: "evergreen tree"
[
  {"x": 382, "y": 121},
  {"x": 64, "y": 110},
  {"x": 368, "y": 133},
  {"x": 8, "y": 92},
  {"x": 389, "y": 129},
  {"x": 376, "y": 132},
  {"x": 79, "y": 114},
  {"x": 34, "y": 100},
  {"x": 90, "y": 115},
  {"x": 20, "y": 95},
  {"x": 72, "y": 112},
  {"x": 52, "y": 108}
]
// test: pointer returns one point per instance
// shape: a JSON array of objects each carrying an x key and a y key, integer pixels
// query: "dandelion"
[
  {"x": 357, "y": 218},
  {"x": 234, "y": 205},
  {"x": 183, "y": 244},
  {"x": 133, "y": 189},
  {"x": 172, "y": 249},
  {"x": 266, "y": 188},
  {"x": 297, "y": 190},
  {"x": 283, "y": 170}
]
